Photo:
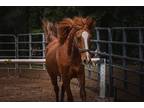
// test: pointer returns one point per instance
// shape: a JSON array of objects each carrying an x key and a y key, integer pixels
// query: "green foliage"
[
  {"x": 13, "y": 19},
  {"x": 28, "y": 19}
]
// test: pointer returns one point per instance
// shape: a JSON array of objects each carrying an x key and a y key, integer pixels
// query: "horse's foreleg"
[
  {"x": 65, "y": 87},
  {"x": 56, "y": 88},
  {"x": 82, "y": 87},
  {"x": 69, "y": 93}
]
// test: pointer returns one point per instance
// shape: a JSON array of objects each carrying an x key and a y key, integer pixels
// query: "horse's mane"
[
  {"x": 67, "y": 24},
  {"x": 63, "y": 28},
  {"x": 50, "y": 30}
]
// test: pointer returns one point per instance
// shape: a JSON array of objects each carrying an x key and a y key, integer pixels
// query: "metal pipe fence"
[
  {"x": 123, "y": 47},
  {"x": 22, "y": 46}
]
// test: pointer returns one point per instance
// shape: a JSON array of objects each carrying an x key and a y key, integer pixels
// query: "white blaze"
[{"x": 85, "y": 37}]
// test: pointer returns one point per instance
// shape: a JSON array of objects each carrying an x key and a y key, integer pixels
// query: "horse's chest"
[
  {"x": 62, "y": 58},
  {"x": 51, "y": 62}
]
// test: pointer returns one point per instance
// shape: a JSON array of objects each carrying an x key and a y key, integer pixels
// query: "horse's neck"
[
  {"x": 72, "y": 50},
  {"x": 75, "y": 52}
]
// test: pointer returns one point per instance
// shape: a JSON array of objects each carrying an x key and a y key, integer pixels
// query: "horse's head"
[
  {"x": 78, "y": 32},
  {"x": 82, "y": 36}
]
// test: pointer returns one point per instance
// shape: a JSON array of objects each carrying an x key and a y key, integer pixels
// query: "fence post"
[
  {"x": 98, "y": 39},
  {"x": 111, "y": 88},
  {"x": 30, "y": 49},
  {"x": 124, "y": 58},
  {"x": 43, "y": 48},
  {"x": 16, "y": 53},
  {"x": 141, "y": 57},
  {"x": 102, "y": 78}
]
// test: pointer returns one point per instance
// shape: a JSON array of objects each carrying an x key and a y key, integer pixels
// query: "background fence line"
[{"x": 123, "y": 47}]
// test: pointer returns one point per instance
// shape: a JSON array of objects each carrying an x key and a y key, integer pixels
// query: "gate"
[
  {"x": 26, "y": 51},
  {"x": 123, "y": 48}
]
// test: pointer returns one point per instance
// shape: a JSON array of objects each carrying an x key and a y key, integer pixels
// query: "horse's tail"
[{"x": 50, "y": 30}]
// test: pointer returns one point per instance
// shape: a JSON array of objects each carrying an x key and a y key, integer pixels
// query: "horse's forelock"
[
  {"x": 79, "y": 21},
  {"x": 82, "y": 22}
]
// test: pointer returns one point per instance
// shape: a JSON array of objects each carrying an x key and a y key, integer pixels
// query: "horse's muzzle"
[
  {"x": 86, "y": 60},
  {"x": 85, "y": 56}
]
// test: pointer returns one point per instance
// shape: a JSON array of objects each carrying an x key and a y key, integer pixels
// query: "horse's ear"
[
  {"x": 90, "y": 22},
  {"x": 64, "y": 28}
]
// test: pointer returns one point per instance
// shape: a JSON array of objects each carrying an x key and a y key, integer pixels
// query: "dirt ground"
[{"x": 35, "y": 86}]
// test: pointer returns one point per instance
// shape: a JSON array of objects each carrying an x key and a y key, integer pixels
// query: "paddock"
[{"x": 123, "y": 78}]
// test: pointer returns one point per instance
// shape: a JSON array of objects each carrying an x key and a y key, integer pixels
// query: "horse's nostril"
[{"x": 84, "y": 61}]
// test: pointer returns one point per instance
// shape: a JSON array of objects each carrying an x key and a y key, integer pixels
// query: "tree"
[{"x": 28, "y": 19}]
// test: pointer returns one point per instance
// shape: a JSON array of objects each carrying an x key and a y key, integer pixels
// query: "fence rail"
[{"x": 22, "y": 60}]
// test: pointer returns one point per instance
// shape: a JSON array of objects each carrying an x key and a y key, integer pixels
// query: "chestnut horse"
[{"x": 63, "y": 53}]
